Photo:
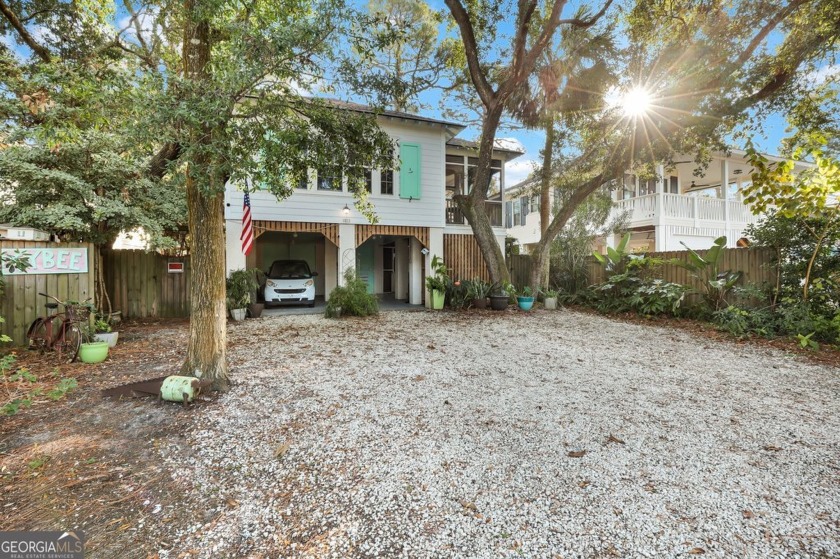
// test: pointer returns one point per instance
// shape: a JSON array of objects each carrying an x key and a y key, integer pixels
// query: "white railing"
[
  {"x": 740, "y": 212},
  {"x": 681, "y": 207},
  {"x": 677, "y": 205},
  {"x": 640, "y": 208}
]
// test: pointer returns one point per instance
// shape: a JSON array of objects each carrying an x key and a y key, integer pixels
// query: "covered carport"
[{"x": 288, "y": 240}]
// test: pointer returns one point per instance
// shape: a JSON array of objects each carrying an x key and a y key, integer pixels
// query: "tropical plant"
[
  {"x": 550, "y": 293},
  {"x": 457, "y": 294},
  {"x": 527, "y": 291},
  {"x": 440, "y": 275},
  {"x": 479, "y": 289},
  {"x": 101, "y": 326},
  {"x": 715, "y": 283},
  {"x": 351, "y": 299},
  {"x": 239, "y": 287}
]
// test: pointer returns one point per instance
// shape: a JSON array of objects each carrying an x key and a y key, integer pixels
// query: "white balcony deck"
[{"x": 678, "y": 209}]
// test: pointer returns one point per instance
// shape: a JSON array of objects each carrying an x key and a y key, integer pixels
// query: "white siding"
[{"x": 326, "y": 207}]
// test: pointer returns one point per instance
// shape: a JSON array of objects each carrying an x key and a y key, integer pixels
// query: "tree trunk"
[
  {"x": 539, "y": 264},
  {"x": 206, "y": 349},
  {"x": 472, "y": 205}
]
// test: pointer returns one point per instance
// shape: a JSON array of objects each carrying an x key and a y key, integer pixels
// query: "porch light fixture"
[{"x": 346, "y": 210}]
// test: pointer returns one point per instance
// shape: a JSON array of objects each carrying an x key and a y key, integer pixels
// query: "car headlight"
[
  {"x": 307, "y": 283},
  {"x": 270, "y": 283}
]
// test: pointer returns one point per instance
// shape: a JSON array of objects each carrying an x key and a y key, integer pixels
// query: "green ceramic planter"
[
  {"x": 437, "y": 299},
  {"x": 95, "y": 352}
]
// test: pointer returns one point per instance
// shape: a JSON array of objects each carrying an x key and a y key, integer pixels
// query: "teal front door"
[{"x": 364, "y": 264}]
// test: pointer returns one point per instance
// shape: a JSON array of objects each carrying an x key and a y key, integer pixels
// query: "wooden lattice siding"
[
  {"x": 140, "y": 286},
  {"x": 329, "y": 230},
  {"x": 463, "y": 257},
  {"x": 365, "y": 232},
  {"x": 754, "y": 263},
  {"x": 21, "y": 303}
]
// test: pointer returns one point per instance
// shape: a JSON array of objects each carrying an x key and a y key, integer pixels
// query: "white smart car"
[{"x": 290, "y": 281}]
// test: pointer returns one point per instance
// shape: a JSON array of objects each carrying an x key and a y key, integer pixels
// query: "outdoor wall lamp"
[{"x": 346, "y": 210}]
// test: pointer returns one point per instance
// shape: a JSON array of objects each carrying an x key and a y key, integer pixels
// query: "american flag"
[{"x": 247, "y": 236}]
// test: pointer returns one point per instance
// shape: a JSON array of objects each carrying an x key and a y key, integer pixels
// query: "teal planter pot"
[
  {"x": 437, "y": 299},
  {"x": 525, "y": 303},
  {"x": 95, "y": 352}
]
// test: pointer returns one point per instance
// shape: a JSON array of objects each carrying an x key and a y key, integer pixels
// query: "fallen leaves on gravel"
[
  {"x": 576, "y": 453},
  {"x": 772, "y": 448},
  {"x": 613, "y": 439}
]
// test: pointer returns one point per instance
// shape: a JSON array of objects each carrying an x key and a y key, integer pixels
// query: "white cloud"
[
  {"x": 517, "y": 171},
  {"x": 822, "y": 75}
]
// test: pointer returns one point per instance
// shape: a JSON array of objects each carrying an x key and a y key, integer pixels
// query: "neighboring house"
[
  {"x": 662, "y": 214},
  {"x": 417, "y": 218},
  {"x": 14, "y": 233}
]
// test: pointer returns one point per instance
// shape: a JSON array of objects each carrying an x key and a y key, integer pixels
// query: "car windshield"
[{"x": 289, "y": 269}]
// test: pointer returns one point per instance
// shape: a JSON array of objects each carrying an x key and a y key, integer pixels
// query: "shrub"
[
  {"x": 715, "y": 283},
  {"x": 458, "y": 293},
  {"x": 351, "y": 299},
  {"x": 239, "y": 288}
]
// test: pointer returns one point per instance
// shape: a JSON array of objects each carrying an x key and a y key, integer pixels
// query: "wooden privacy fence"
[
  {"x": 755, "y": 263},
  {"x": 52, "y": 273},
  {"x": 520, "y": 269},
  {"x": 141, "y": 286}
]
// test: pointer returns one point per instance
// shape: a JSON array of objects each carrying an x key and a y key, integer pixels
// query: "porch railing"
[
  {"x": 682, "y": 207},
  {"x": 454, "y": 216}
]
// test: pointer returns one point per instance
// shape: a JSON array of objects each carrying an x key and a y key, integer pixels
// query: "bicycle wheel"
[
  {"x": 37, "y": 335},
  {"x": 71, "y": 343}
]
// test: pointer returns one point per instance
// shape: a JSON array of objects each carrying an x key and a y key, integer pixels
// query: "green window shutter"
[{"x": 410, "y": 171}]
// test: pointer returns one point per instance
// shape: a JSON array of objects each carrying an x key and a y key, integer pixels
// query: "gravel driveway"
[{"x": 551, "y": 434}]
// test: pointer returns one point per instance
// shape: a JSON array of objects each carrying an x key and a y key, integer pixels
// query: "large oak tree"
[
  {"x": 217, "y": 95},
  {"x": 708, "y": 67}
]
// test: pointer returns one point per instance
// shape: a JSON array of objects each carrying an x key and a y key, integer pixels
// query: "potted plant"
[
  {"x": 500, "y": 298},
  {"x": 436, "y": 283},
  {"x": 91, "y": 351},
  {"x": 479, "y": 290},
  {"x": 255, "y": 308},
  {"x": 102, "y": 332},
  {"x": 525, "y": 299},
  {"x": 550, "y": 299},
  {"x": 240, "y": 283}
]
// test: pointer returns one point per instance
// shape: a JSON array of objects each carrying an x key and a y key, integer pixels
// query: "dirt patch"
[{"x": 90, "y": 463}]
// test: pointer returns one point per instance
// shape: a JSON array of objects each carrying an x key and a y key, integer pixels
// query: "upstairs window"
[
  {"x": 369, "y": 180},
  {"x": 386, "y": 182},
  {"x": 329, "y": 179}
]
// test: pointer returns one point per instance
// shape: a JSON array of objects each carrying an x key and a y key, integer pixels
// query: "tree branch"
[
  {"x": 584, "y": 23},
  {"x": 756, "y": 41},
  {"x": 482, "y": 86},
  {"x": 40, "y": 50},
  {"x": 161, "y": 160}
]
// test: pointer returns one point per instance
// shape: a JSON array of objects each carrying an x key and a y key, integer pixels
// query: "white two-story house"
[
  {"x": 417, "y": 218},
  {"x": 680, "y": 206}
]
